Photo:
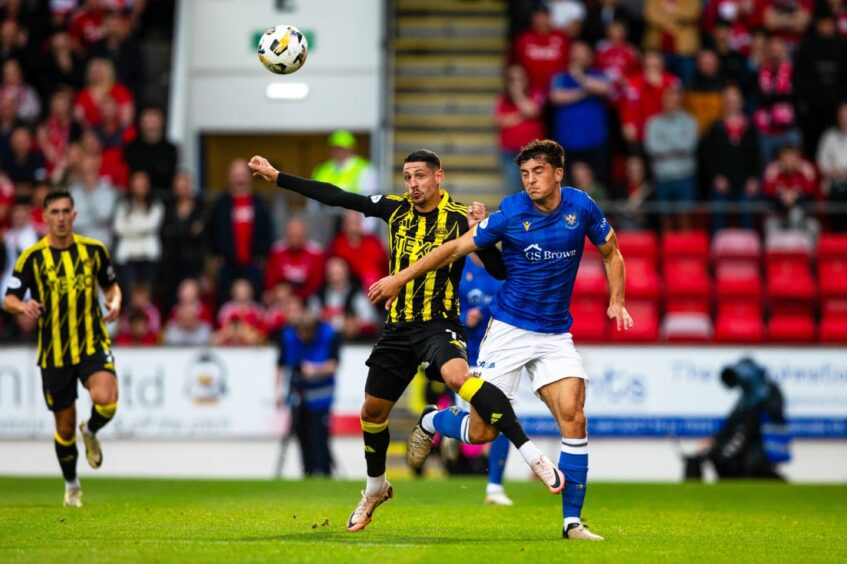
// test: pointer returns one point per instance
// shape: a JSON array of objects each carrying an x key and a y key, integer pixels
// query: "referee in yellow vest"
[{"x": 348, "y": 171}]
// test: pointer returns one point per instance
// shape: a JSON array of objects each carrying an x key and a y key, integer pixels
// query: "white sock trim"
[
  {"x": 466, "y": 424},
  {"x": 428, "y": 422},
  {"x": 72, "y": 484},
  {"x": 375, "y": 484},
  {"x": 569, "y": 520},
  {"x": 575, "y": 446},
  {"x": 494, "y": 488},
  {"x": 529, "y": 452}
]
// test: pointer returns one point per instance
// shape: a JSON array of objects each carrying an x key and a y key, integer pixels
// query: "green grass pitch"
[{"x": 430, "y": 520}]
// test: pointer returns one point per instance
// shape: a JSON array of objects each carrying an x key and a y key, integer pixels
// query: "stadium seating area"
[{"x": 686, "y": 288}]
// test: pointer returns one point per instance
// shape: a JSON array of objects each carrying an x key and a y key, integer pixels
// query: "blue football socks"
[{"x": 573, "y": 462}]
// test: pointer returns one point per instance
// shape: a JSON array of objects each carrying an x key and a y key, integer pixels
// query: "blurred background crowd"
[{"x": 662, "y": 106}]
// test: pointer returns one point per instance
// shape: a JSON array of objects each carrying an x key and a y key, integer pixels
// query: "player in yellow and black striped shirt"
[
  {"x": 62, "y": 273},
  {"x": 423, "y": 323}
]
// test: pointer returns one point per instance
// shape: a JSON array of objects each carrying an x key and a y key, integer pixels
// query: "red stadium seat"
[
  {"x": 693, "y": 244},
  {"x": 789, "y": 244},
  {"x": 791, "y": 329},
  {"x": 737, "y": 280},
  {"x": 688, "y": 286},
  {"x": 638, "y": 244},
  {"x": 590, "y": 322},
  {"x": 642, "y": 281},
  {"x": 736, "y": 245},
  {"x": 832, "y": 245},
  {"x": 687, "y": 328},
  {"x": 791, "y": 288},
  {"x": 591, "y": 281},
  {"x": 739, "y": 321},
  {"x": 645, "y": 315},
  {"x": 833, "y": 328}
]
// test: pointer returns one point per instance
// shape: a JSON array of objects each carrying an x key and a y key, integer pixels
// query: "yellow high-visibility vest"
[{"x": 347, "y": 177}]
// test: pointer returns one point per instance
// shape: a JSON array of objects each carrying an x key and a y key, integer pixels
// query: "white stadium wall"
[
  {"x": 218, "y": 84},
  {"x": 181, "y": 408}
]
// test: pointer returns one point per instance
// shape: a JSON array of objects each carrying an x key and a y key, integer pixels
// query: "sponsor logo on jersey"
[
  {"x": 14, "y": 283},
  {"x": 527, "y": 225},
  {"x": 484, "y": 223},
  {"x": 535, "y": 253},
  {"x": 376, "y": 198}
]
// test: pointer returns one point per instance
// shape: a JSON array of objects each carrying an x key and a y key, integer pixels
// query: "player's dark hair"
[
  {"x": 544, "y": 150},
  {"x": 424, "y": 156},
  {"x": 57, "y": 195}
]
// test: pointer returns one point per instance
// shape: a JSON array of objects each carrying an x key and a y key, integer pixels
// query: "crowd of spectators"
[
  {"x": 741, "y": 104},
  {"x": 73, "y": 116}
]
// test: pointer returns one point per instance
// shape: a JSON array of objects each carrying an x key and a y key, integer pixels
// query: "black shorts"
[
  {"x": 59, "y": 384},
  {"x": 402, "y": 347}
]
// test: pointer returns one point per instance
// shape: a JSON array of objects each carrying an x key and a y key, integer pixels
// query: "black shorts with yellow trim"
[
  {"x": 59, "y": 384},
  {"x": 402, "y": 347}
]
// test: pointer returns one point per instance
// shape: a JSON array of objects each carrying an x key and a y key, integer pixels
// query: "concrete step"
[
  {"x": 451, "y": 26},
  {"x": 465, "y": 45},
  {"x": 443, "y": 99},
  {"x": 489, "y": 162},
  {"x": 446, "y": 141},
  {"x": 477, "y": 7},
  {"x": 449, "y": 62},
  {"x": 462, "y": 83},
  {"x": 462, "y": 121}
]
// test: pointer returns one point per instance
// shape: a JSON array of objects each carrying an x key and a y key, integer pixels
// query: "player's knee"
[
  {"x": 455, "y": 378},
  {"x": 105, "y": 395},
  {"x": 573, "y": 415},
  {"x": 66, "y": 430},
  {"x": 373, "y": 413}
]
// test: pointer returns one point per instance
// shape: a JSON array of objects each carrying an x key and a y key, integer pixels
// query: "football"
[{"x": 283, "y": 49}]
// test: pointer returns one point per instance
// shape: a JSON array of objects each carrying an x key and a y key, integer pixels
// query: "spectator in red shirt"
[
  {"x": 342, "y": 303},
  {"x": 296, "y": 261},
  {"x": 112, "y": 165},
  {"x": 114, "y": 137},
  {"x": 788, "y": 18},
  {"x": 138, "y": 331},
  {"x": 99, "y": 83},
  {"x": 362, "y": 251},
  {"x": 87, "y": 27},
  {"x": 7, "y": 198},
  {"x": 790, "y": 181},
  {"x": 742, "y": 17},
  {"x": 58, "y": 130},
  {"x": 29, "y": 106},
  {"x": 775, "y": 117},
  {"x": 518, "y": 116},
  {"x": 188, "y": 296},
  {"x": 241, "y": 319},
  {"x": 276, "y": 308},
  {"x": 643, "y": 97},
  {"x": 616, "y": 57},
  {"x": 541, "y": 50},
  {"x": 241, "y": 232}
]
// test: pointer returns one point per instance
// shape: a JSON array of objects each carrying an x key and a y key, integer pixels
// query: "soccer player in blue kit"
[
  {"x": 542, "y": 231},
  {"x": 476, "y": 292}
]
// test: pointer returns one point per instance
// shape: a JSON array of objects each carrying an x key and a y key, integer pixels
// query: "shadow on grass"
[{"x": 364, "y": 538}]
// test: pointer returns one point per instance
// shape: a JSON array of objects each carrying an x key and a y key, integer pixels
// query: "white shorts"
[{"x": 546, "y": 357}]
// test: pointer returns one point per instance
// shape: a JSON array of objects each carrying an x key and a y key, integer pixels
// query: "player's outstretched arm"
[
  {"x": 616, "y": 275},
  {"x": 388, "y": 287},
  {"x": 322, "y": 192}
]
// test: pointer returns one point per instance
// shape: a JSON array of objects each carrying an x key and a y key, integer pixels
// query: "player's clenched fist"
[{"x": 261, "y": 167}]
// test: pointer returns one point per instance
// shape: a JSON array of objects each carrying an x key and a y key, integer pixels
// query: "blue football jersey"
[
  {"x": 542, "y": 252},
  {"x": 476, "y": 290}
]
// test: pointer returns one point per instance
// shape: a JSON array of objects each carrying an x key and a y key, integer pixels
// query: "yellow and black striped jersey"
[
  {"x": 411, "y": 236},
  {"x": 64, "y": 282}
]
